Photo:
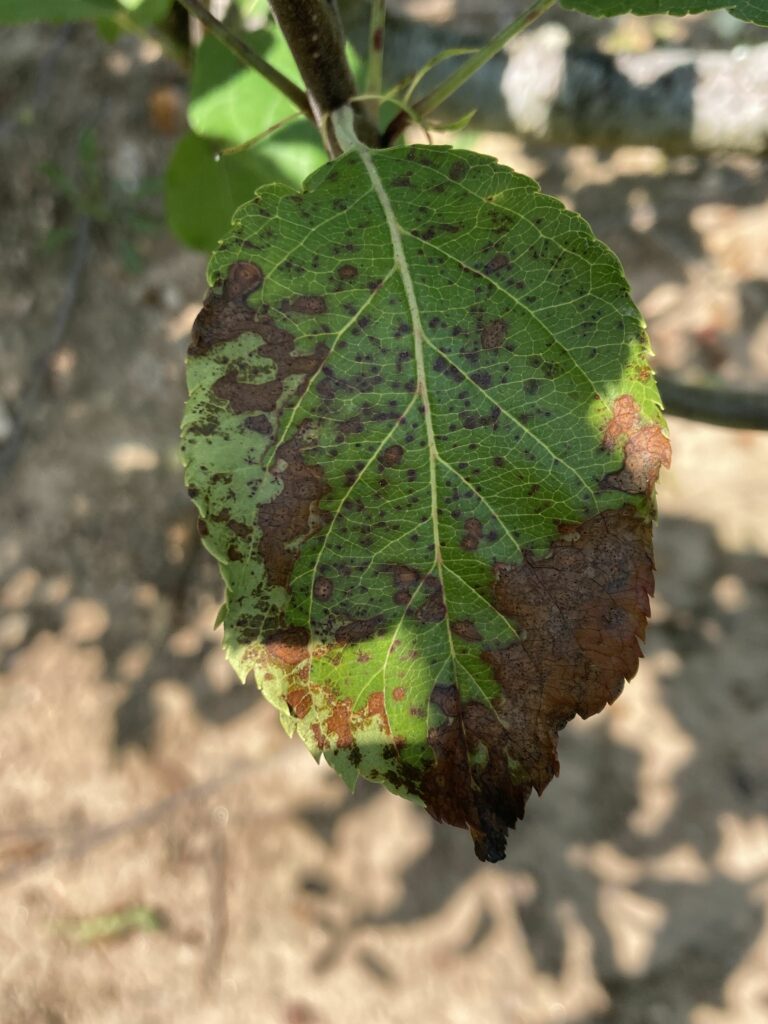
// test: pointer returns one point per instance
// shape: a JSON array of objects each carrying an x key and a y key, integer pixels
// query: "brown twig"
[{"x": 315, "y": 36}]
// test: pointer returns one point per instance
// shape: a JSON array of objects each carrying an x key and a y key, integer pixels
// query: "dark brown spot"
[
  {"x": 359, "y": 629},
  {"x": 393, "y": 455},
  {"x": 308, "y": 304},
  {"x": 473, "y": 532},
  {"x": 245, "y": 397},
  {"x": 258, "y": 423},
  {"x": 466, "y": 630},
  {"x": 293, "y": 514},
  {"x": 493, "y": 334},
  {"x": 323, "y": 588},
  {"x": 346, "y": 271},
  {"x": 299, "y": 701},
  {"x": 226, "y": 313},
  {"x": 498, "y": 262},
  {"x": 433, "y": 609}
]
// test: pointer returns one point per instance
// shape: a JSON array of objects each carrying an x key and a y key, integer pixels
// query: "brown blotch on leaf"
[
  {"x": 244, "y": 397},
  {"x": 398, "y": 693},
  {"x": 226, "y": 313},
  {"x": 293, "y": 514},
  {"x": 288, "y": 646},
  {"x": 258, "y": 423},
  {"x": 493, "y": 334},
  {"x": 579, "y": 612},
  {"x": 359, "y": 629},
  {"x": 239, "y": 529},
  {"x": 346, "y": 271},
  {"x": 433, "y": 609},
  {"x": 393, "y": 455},
  {"x": 466, "y": 630},
  {"x": 308, "y": 304},
  {"x": 338, "y": 724},
  {"x": 343, "y": 723},
  {"x": 473, "y": 532},
  {"x": 299, "y": 701},
  {"x": 323, "y": 588},
  {"x": 646, "y": 448},
  {"x": 497, "y": 262}
]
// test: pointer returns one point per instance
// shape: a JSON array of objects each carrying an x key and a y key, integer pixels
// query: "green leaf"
[
  {"x": 747, "y": 10},
  {"x": 422, "y": 436},
  {"x": 251, "y": 8},
  {"x": 201, "y": 192},
  {"x": 146, "y": 12},
  {"x": 231, "y": 104},
  {"x": 14, "y": 11}
]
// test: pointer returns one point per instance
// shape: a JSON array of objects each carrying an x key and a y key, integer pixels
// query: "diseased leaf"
[
  {"x": 747, "y": 10},
  {"x": 423, "y": 438}
]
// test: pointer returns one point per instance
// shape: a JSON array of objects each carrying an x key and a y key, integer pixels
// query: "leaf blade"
[
  {"x": 403, "y": 412},
  {"x": 747, "y": 10}
]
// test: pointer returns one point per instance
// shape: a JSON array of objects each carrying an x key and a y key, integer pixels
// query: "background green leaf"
[
  {"x": 230, "y": 104},
  {"x": 146, "y": 12},
  {"x": 422, "y": 436},
  {"x": 201, "y": 192},
  {"x": 747, "y": 10},
  {"x": 14, "y": 11}
]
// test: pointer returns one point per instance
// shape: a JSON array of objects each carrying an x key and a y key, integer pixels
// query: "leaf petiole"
[
  {"x": 273, "y": 128},
  {"x": 375, "y": 73}
]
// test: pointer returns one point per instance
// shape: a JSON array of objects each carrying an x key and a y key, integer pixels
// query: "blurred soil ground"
[{"x": 166, "y": 853}]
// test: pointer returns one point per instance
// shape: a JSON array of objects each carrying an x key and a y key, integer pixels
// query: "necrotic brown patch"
[
  {"x": 580, "y": 611},
  {"x": 466, "y": 630},
  {"x": 288, "y": 646},
  {"x": 323, "y": 589},
  {"x": 292, "y": 514},
  {"x": 393, "y": 455},
  {"x": 473, "y": 532},
  {"x": 359, "y": 629},
  {"x": 646, "y": 448},
  {"x": 226, "y": 313},
  {"x": 493, "y": 334},
  {"x": 308, "y": 304}
]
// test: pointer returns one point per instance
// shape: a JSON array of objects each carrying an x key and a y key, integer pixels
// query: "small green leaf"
[
  {"x": 15, "y": 11},
  {"x": 250, "y": 8},
  {"x": 423, "y": 437},
  {"x": 747, "y": 10},
  {"x": 146, "y": 12},
  {"x": 116, "y": 924},
  {"x": 231, "y": 104},
  {"x": 201, "y": 192}
]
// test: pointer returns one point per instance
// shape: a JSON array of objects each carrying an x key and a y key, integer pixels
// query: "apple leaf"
[
  {"x": 423, "y": 437},
  {"x": 747, "y": 10}
]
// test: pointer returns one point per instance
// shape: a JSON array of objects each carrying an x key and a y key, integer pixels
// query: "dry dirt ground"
[{"x": 166, "y": 853}]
